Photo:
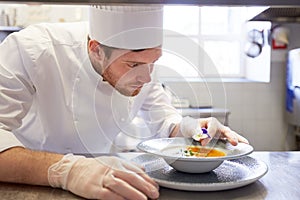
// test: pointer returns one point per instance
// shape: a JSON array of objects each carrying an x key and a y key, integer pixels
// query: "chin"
[
  {"x": 130, "y": 93},
  {"x": 136, "y": 92}
]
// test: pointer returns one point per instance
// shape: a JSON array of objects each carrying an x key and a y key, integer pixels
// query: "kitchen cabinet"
[{"x": 6, "y": 30}]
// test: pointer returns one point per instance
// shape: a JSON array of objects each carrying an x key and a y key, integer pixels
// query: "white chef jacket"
[{"x": 51, "y": 98}]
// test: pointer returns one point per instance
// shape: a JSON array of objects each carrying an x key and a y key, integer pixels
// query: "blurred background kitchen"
[{"x": 254, "y": 87}]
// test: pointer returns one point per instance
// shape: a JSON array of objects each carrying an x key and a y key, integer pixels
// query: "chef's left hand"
[{"x": 189, "y": 126}]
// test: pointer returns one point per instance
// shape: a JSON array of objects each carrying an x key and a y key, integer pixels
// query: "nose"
[{"x": 144, "y": 73}]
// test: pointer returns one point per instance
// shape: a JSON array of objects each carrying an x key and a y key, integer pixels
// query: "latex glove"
[
  {"x": 102, "y": 178},
  {"x": 190, "y": 126}
]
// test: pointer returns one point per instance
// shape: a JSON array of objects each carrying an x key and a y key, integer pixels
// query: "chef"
[{"x": 69, "y": 89}]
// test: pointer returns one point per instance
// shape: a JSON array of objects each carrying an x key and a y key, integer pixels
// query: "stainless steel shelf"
[
  {"x": 10, "y": 28},
  {"x": 182, "y": 2}
]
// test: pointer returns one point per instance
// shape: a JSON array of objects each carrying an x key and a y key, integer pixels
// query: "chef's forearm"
[{"x": 20, "y": 165}]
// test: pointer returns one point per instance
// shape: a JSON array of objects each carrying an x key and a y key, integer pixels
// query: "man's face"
[{"x": 129, "y": 71}]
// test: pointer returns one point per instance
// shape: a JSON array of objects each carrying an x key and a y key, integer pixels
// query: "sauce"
[{"x": 203, "y": 152}]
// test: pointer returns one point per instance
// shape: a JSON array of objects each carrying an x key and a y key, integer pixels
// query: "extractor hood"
[{"x": 279, "y": 15}]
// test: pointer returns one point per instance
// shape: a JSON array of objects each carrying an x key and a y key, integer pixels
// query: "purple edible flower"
[{"x": 204, "y": 130}]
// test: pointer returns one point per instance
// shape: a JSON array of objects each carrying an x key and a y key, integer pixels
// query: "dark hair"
[{"x": 108, "y": 50}]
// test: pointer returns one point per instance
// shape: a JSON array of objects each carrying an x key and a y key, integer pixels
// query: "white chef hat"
[{"x": 127, "y": 27}]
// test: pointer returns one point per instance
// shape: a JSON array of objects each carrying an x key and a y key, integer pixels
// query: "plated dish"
[
  {"x": 175, "y": 152},
  {"x": 231, "y": 174}
]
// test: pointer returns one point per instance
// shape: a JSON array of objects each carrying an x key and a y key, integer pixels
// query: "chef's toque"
[{"x": 127, "y": 27}]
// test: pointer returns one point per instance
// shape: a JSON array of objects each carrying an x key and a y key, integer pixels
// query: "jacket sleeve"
[
  {"x": 16, "y": 92},
  {"x": 158, "y": 113}
]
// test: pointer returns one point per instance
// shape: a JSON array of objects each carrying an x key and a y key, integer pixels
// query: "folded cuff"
[{"x": 8, "y": 140}]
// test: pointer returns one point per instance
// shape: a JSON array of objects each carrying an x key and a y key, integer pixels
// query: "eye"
[{"x": 132, "y": 65}]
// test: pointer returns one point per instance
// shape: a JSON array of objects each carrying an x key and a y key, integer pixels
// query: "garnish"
[{"x": 201, "y": 134}]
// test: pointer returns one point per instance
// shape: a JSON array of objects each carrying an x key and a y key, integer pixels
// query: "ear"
[{"x": 96, "y": 50}]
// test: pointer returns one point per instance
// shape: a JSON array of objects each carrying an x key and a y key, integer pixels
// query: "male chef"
[{"x": 66, "y": 90}]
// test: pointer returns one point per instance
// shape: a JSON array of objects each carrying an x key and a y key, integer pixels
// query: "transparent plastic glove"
[
  {"x": 102, "y": 178},
  {"x": 189, "y": 126}
]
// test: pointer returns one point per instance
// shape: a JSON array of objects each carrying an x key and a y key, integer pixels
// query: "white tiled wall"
[{"x": 260, "y": 113}]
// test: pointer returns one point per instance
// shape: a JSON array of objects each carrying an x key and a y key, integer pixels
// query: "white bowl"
[{"x": 172, "y": 151}]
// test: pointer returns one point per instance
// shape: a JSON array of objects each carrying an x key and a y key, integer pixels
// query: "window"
[{"x": 212, "y": 41}]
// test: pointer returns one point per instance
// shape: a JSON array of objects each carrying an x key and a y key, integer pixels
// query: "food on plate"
[{"x": 198, "y": 151}]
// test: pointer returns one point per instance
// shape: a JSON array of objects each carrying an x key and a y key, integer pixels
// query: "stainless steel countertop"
[{"x": 281, "y": 182}]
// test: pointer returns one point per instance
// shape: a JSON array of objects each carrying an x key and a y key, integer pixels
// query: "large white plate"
[{"x": 230, "y": 174}]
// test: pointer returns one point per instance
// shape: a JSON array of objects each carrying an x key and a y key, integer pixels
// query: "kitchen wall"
[{"x": 257, "y": 109}]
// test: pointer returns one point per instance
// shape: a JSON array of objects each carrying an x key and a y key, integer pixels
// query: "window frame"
[{"x": 226, "y": 37}]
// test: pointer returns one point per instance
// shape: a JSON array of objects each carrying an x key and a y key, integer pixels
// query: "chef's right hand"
[
  {"x": 190, "y": 126},
  {"x": 102, "y": 178}
]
